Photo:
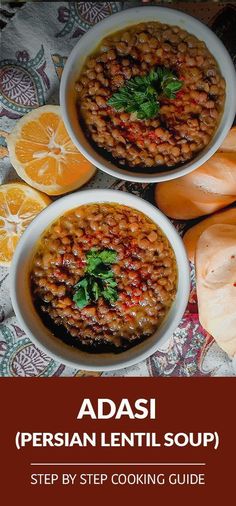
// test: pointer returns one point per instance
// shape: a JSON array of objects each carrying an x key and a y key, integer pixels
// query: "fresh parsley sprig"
[
  {"x": 141, "y": 94},
  {"x": 99, "y": 279}
]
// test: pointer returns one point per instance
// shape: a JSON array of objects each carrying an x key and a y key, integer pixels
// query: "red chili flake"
[
  {"x": 152, "y": 136},
  {"x": 122, "y": 307},
  {"x": 135, "y": 300},
  {"x": 179, "y": 110},
  {"x": 80, "y": 263},
  {"x": 57, "y": 272},
  {"x": 131, "y": 137},
  {"x": 235, "y": 284},
  {"x": 180, "y": 93}
]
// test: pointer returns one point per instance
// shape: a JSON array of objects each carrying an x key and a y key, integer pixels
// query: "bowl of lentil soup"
[
  {"x": 163, "y": 133},
  {"x": 105, "y": 279}
]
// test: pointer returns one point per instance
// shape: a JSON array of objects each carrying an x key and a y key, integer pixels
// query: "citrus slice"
[
  {"x": 19, "y": 204},
  {"x": 44, "y": 156}
]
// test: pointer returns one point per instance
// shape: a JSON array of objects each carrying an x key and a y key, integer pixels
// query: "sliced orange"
[
  {"x": 19, "y": 204},
  {"x": 44, "y": 156}
]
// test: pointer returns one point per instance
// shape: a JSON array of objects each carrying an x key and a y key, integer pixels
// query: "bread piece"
[{"x": 216, "y": 284}]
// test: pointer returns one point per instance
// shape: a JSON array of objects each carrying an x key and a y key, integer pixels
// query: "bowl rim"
[
  {"x": 221, "y": 131},
  {"x": 24, "y": 251}
]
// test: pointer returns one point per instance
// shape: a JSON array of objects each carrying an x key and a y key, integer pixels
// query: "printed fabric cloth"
[{"x": 34, "y": 46}]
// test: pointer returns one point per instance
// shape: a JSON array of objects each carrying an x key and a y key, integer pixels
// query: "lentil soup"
[
  {"x": 184, "y": 121},
  {"x": 103, "y": 277}
]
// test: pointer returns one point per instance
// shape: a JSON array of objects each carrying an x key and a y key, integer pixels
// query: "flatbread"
[{"x": 216, "y": 284}]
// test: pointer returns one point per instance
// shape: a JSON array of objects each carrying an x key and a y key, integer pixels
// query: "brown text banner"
[{"x": 180, "y": 445}]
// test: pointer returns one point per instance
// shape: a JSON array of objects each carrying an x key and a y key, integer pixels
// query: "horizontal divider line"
[{"x": 117, "y": 463}]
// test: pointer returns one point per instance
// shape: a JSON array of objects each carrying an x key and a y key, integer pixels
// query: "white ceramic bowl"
[
  {"x": 88, "y": 43},
  {"x": 31, "y": 322}
]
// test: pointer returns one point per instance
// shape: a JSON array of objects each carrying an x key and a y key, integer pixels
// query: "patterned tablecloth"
[{"x": 35, "y": 44}]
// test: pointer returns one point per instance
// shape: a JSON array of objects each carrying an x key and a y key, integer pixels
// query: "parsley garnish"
[
  {"x": 141, "y": 94},
  {"x": 99, "y": 280}
]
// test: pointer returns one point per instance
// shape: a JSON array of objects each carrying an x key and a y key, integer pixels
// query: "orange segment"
[
  {"x": 19, "y": 204},
  {"x": 3, "y": 204},
  {"x": 14, "y": 199},
  {"x": 70, "y": 147},
  {"x": 7, "y": 247},
  {"x": 30, "y": 208},
  {"x": 34, "y": 131},
  {"x": 49, "y": 122},
  {"x": 44, "y": 155},
  {"x": 43, "y": 171},
  {"x": 62, "y": 136},
  {"x": 78, "y": 167},
  {"x": 28, "y": 150}
]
